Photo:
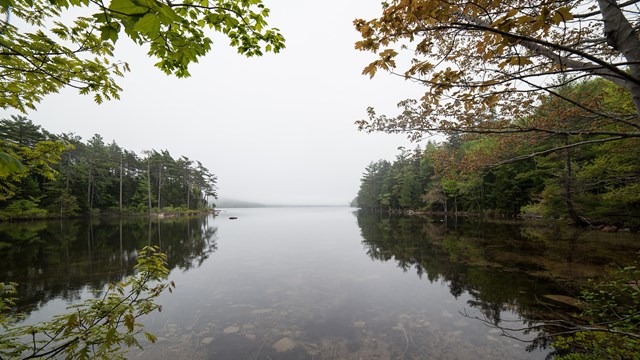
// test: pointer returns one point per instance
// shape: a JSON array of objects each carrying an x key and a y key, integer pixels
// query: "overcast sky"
[{"x": 274, "y": 129}]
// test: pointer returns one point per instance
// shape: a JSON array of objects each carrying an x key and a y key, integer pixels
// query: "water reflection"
[
  {"x": 296, "y": 284},
  {"x": 321, "y": 283},
  {"x": 63, "y": 259},
  {"x": 502, "y": 266}
]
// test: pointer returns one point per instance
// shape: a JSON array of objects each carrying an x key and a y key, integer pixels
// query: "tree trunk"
[
  {"x": 159, "y": 187},
  {"x": 68, "y": 171},
  {"x": 186, "y": 185},
  {"x": 455, "y": 205},
  {"x": 621, "y": 35},
  {"x": 93, "y": 193},
  {"x": 578, "y": 220},
  {"x": 121, "y": 183},
  {"x": 149, "y": 184},
  {"x": 89, "y": 180}
]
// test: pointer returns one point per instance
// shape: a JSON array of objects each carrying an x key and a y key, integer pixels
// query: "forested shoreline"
[
  {"x": 521, "y": 174},
  {"x": 61, "y": 175}
]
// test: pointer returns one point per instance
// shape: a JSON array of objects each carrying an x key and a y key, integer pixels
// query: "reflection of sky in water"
[{"x": 297, "y": 283}]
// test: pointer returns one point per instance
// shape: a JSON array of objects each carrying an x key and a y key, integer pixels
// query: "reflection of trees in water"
[
  {"x": 61, "y": 259},
  {"x": 462, "y": 256},
  {"x": 503, "y": 267},
  {"x": 191, "y": 243}
]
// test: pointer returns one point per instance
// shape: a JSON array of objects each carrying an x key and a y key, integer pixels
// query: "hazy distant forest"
[
  {"x": 513, "y": 175},
  {"x": 62, "y": 175}
]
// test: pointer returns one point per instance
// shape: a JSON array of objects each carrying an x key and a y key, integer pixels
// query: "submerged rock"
[
  {"x": 284, "y": 344},
  {"x": 231, "y": 330},
  {"x": 565, "y": 300}
]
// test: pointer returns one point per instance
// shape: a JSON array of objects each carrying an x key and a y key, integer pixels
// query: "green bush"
[
  {"x": 24, "y": 209},
  {"x": 103, "y": 328},
  {"x": 612, "y": 308}
]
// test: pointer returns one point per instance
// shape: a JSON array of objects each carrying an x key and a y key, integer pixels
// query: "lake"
[{"x": 320, "y": 283}]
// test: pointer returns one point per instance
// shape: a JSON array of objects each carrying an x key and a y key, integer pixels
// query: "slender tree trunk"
[
  {"x": 93, "y": 193},
  {"x": 186, "y": 176},
  {"x": 121, "y": 183},
  {"x": 480, "y": 201},
  {"x": 149, "y": 184},
  {"x": 444, "y": 202},
  {"x": 455, "y": 205},
  {"x": 89, "y": 180},
  {"x": 159, "y": 187},
  {"x": 568, "y": 198},
  {"x": 68, "y": 170}
]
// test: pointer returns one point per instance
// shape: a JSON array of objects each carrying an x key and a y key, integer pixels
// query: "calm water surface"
[{"x": 319, "y": 283}]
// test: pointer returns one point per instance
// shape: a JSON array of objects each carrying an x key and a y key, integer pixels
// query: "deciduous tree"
[
  {"x": 45, "y": 45},
  {"x": 487, "y": 64}
]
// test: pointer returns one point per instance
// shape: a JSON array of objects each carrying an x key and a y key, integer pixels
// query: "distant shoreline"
[
  {"x": 233, "y": 203},
  {"x": 280, "y": 206}
]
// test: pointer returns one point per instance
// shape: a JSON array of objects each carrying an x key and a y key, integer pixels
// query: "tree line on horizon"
[
  {"x": 62, "y": 176},
  {"x": 514, "y": 175}
]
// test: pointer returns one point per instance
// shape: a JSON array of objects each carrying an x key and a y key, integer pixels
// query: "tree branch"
[{"x": 555, "y": 149}]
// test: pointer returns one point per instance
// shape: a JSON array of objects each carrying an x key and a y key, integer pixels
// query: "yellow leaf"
[
  {"x": 370, "y": 70},
  {"x": 565, "y": 13},
  {"x": 526, "y": 19},
  {"x": 388, "y": 53}
]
